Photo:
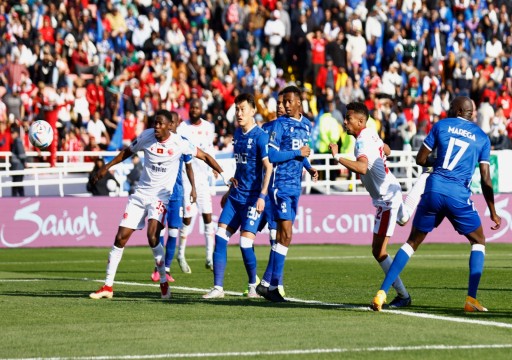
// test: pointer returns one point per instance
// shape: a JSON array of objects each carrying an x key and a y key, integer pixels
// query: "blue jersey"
[
  {"x": 460, "y": 145},
  {"x": 177, "y": 191},
  {"x": 249, "y": 150},
  {"x": 289, "y": 134}
]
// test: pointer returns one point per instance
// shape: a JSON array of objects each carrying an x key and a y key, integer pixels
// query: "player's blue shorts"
[
  {"x": 244, "y": 215},
  {"x": 434, "y": 207},
  {"x": 175, "y": 213},
  {"x": 284, "y": 205},
  {"x": 267, "y": 217}
]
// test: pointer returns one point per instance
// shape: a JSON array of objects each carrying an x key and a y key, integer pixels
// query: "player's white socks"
[
  {"x": 183, "y": 241},
  {"x": 114, "y": 258},
  {"x": 209, "y": 236},
  {"x": 273, "y": 236},
  {"x": 413, "y": 197},
  {"x": 398, "y": 285},
  {"x": 158, "y": 254}
]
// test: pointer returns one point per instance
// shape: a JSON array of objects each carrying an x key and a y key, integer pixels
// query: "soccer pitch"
[{"x": 46, "y": 312}]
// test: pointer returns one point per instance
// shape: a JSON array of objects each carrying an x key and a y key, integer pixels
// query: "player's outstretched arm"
[
  {"x": 359, "y": 166},
  {"x": 488, "y": 192},
  {"x": 190, "y": 176},
  {"x": 122, "y": 156},
  {"x": 207, "y": 158}
]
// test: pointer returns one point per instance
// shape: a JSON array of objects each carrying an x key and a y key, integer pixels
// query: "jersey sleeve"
[
  {"x": 262, "y": 144},
  {"x": 139, "y": 142},
  {"x": 188, "y": 148},
  {"x": 275, "y": 135},
  {"x": 187, "y": 158},
  {"x": 430, "y": 140}
]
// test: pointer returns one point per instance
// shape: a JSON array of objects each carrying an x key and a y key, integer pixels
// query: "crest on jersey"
[
  {"x": 291, "y": 129},
  {"x": 159, "y": 151},
  {"x": 273, "y": 136}
]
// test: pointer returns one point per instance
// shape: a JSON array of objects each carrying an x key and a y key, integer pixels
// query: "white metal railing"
[{"x": 72, "y": 169}]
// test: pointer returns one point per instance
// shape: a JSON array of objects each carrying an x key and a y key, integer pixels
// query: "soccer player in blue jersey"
[
  {"x": 243, "y": 204},
  {"x": 268, "y": 213},
  {"x": 175, "y": 217},
  {"x": 460, "y": 145},
  {"x": 287, "y": 149}
]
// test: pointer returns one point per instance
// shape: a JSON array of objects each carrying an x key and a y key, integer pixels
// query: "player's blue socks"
[
  {"x": 402, "y": 257},
  {"x": 170, "y": 247},
  {"x": 220, "y": 256},
  {"x": 247, "y": 248},
  {"x": 280, "y": 252},
  {"x": 476, "y": 267}
]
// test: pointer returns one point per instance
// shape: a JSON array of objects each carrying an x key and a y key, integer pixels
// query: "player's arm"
[
  {"x": 488, "y": 192},
  {"x": 190, "y": 176},
  {"x": 267, "y": 166},
  {"x": 122, "y": 156},
  {"x": 423, "y": 158},
  {"x": 311, "y": 170},
  {"x": 208, "y": 159},
  {"x": 277, "y": 156},
  {"x": 387, "y": 150},
  {"x": 360, "y": 165}
]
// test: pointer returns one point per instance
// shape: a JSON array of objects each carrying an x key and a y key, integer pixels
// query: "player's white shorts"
[
  {"x": 386, "y": 214},
  {"x": 203, "y": 203},
  {"x": 139, "y": 207}
]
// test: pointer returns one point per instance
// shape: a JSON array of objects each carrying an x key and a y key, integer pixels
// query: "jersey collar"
[{"x": 248, "y": 131}]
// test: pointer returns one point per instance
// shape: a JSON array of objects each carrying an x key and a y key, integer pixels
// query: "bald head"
[{"x": 461, "y": 106}]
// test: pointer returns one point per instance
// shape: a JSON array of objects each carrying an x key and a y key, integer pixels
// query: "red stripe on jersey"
[{"x": 384, "y": 222}]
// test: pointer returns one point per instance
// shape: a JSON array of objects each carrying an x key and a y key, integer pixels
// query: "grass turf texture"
[{"x": 46, "y": 311}]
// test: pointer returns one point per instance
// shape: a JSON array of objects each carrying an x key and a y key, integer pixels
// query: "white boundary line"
[
  {"x": 312, "y": 302},
  {"x": 284, "y": 352}
]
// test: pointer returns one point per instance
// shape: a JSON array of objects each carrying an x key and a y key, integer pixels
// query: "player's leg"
[
  {"x": 174, "y": 222},
  {"x": 190, "y": 209},
  {"x": 412, "y": 199},
  {"x": 250, "y": 223},
  {"x": 465, "y": 220},
  {"x": 133, "y": 219},
  {"x": 385, "y": 220},
  {"x": 204, "y": 204},
  {"x": 155, "y": 276},
  {"x": 157, "y": 210},
  {"x": 429, "y": 215}
]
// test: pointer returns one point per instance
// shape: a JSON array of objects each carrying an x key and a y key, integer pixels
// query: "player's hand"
[
  {"x": 314, "y": 174},
  {"x": 334, "y": 148},
  {"x": 193, "y": 195},
  {"x": 305, "y": 151},
  {"x": 260, "y": 205},
  {"x": 497, "y": 221}
]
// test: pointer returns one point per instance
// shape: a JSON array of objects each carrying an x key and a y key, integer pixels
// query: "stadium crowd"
[{"x": 108, "y": 66}]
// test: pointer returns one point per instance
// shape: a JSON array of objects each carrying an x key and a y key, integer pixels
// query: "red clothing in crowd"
[
  {"x": 318, "y": 51},
  {"x": 5, "y": 140},
  {"x": 321, "y": 78},
  {"x": 505, "y": 101},
  {"x": 95, "y": 96},
  {"x": 129, "y": 128}
]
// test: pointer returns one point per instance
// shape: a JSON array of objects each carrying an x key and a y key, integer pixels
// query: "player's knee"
[
  {"x": 223, "y": 233},
  {"x": 379, "y": 253}
]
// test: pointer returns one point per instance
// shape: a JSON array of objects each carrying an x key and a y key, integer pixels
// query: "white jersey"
[
  {"x": 161, "y": 162},
  {"x": 202, "y": 136},
  {"x": 378, "y": 181}
]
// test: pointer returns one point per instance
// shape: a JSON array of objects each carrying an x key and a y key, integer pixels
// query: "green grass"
[{"x": 46, "y": 312}]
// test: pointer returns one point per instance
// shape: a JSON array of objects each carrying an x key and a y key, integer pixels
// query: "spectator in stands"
[
  {"x": 105, "y": 185},
  {"x": 18, "y": 158}
]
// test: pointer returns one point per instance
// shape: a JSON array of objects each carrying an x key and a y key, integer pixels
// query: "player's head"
[
  {"x": 280, "y": 106},
  {"x": 163, "y": 124},
  {"x": 245, "y": 109},
  {"x": 474, "y": 117},
  {"x": 175, "y": 117},
  {"x": 356, "y": 118},
  {"x": 292, "y": 101},
  {"x": 462, "y": 107},
  {"x": 194, "y": 111}
]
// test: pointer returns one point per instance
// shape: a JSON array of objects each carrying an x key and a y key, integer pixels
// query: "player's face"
[
  {"x": 353, "y": 123},
  {"x": 244, "y": 114},
  {"x": 292, "y": 104},
  {"x": 162, "y": 128},
  {"x": 280, "y": 106},
  {"x": 194, "y": 111}
]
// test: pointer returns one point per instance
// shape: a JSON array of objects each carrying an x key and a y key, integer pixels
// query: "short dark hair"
[
  {"x": 165, "y": 113},
  {"x": 291, "y": 89},
  {"x": 359, "y": 108},
  {"x": 175, "y": 115},
  {"x": 246, "y": 97}
]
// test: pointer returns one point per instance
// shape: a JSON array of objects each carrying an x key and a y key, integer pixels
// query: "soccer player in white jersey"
[
  {"x": 162, "y": 152},
  {"x": 201, "y": 133},
  {"x": 384, "y": 188}
]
